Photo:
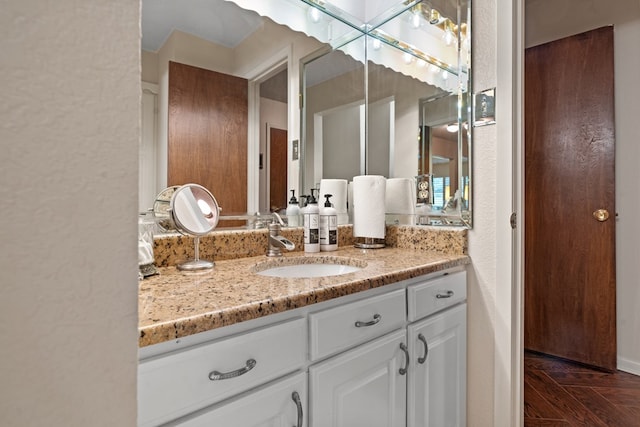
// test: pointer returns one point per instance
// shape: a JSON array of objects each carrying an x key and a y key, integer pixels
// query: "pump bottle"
[
  {"x": 293, "y": 211},
  {"x": 328, "y": 226},
  {"x": 311, "y": 225}
]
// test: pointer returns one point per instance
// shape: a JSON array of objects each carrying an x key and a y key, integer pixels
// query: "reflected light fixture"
[
  {"x": 205, "y": 209},
  {"x": 449, "y": 36},
  {"x": 415, "y": 20},
  {"x": 434, "y": 17},
  {"x": 452, "y": 128},
  {"x": 407, "y": 57},
  {"x": 314, "y": 14},
  {"x": 376, "y": 44}
]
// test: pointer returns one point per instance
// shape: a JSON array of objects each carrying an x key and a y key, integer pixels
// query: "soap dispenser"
[
  {"x": 328, "y": 226},
  {"x": 293, "y": 211},
  {"x": 311, "y": 225}
]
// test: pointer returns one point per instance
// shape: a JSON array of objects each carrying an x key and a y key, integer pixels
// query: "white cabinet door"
[
  {"x": 279, "y": 404},
  {"x": 437, "y": 382},
  {"x": 363, "y": 387}
]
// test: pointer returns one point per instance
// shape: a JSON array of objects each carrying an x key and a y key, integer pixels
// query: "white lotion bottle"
[
  {"x": 293, "y": 211},
  {"x": 328, "y": 226},
  {"x": 311, "y": 217}
]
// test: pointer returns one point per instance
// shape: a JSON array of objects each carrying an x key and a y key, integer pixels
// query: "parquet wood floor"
[{"x": 560, "y": 393}]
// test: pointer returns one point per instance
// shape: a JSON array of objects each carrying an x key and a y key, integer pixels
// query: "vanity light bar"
[
  {"x": 412, "y": 50},
  {"x": 435, "y": 18}
]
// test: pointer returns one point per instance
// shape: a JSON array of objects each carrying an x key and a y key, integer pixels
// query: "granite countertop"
[{"x": 174, "y": 304}]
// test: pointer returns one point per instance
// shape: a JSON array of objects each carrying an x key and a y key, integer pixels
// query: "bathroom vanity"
[
  {"x": 381, "y": 346},
  {"x": 384, "y": 345}
]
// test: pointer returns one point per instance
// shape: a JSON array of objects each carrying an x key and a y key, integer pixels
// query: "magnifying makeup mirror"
[{"x": 194, "y": 212}]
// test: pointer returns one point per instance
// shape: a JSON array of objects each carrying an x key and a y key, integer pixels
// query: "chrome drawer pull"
[
  {"x": 423, "y": 359},
  {"x": 215, "y": 375},
  {"x": 296, "y": 398},
  {"x": 403, "y": 347},
  {"x": 449, "y": 294},
  {"x": 376, "y": 319}
]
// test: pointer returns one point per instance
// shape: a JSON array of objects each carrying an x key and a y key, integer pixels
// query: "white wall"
[
  {"x": 627, "y": 93},
  {"x": 574, "y": 17},
  {"x": 68, "y": 288},
  {"x": 482, "y": 238}
]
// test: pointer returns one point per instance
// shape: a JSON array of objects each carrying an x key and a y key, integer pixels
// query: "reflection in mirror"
[
  {"x": 404, "y": 62},
  {"x": 444, "y": 154},
  {"x": 194, "y": 212},
  {"x": 380, "y": 59},
  {"x": 333, "y": 117},
  {"x": 201, "y": 133}
]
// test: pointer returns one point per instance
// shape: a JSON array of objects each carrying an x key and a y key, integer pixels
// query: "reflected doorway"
[{"x": 273, "y": 146}]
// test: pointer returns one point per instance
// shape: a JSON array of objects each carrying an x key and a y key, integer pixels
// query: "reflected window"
[{"x": 441, "y": 190}]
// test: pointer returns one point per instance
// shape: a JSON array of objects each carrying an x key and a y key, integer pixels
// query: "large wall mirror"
[{"x": 334, "y": 89}]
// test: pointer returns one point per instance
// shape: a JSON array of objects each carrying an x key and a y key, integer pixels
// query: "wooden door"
[
  {"x": 207, "y": 134},
  {"x": 277, "y": 169},
  {"x": 569, "y": 175}
]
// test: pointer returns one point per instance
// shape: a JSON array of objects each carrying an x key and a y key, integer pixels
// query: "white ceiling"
[{"x": 213, "y": 20}]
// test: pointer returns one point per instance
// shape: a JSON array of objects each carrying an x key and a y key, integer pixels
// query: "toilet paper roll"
[
  {"x": 400, "y": 196},
  {"x": 337, "y": 188},
  {"x": 369, "y": 206}
]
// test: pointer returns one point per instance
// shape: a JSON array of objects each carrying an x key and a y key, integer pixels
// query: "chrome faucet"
[{"x": 276, "y": 241}]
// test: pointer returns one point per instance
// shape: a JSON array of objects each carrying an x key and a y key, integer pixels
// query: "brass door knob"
[{"x": 601, "y": 215}]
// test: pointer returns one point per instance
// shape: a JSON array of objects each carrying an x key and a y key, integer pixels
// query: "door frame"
[
  {"x": 509, "y": 303},
  {"x": 265, "y": 70}
]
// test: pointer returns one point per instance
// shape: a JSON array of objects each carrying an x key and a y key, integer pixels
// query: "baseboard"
[{"x": 629, "y": 366}]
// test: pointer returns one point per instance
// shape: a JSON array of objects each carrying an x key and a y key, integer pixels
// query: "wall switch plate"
[{"x": 295, "y": 153}]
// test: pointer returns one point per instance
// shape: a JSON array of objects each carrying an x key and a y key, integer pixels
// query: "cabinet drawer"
[
  {"x": 342, "y": 327},
  {"x": 434, "y": 295},
  {"x": 180, "y": 383},
  {"x": 274, "y": 402}
]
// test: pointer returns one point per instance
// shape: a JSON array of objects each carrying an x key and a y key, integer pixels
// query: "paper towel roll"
[
  {"x": 369, "y": 206},
  {"x": 350, "y": 201},
  {"x": 401, "y": 196},
  {"x": 338, "y": 188}
]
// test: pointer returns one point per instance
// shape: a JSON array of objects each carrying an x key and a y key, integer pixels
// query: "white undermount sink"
[{"x": 302, "y": 267}]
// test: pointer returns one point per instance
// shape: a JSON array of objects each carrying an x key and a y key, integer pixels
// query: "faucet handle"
[{"x": 276, "y": 219}]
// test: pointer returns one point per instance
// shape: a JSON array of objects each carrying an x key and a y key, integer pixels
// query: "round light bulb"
[
  {"x": 448, "y": 37},
  {"x": 407, "y": 58},
  {"x": 415, "y": 20},
  {"x": 376, "y": 44}
]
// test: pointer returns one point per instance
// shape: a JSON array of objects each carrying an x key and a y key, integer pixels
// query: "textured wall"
[
  {"x": 482, "y": 239},
  {"x": 68, "y": 288}
]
